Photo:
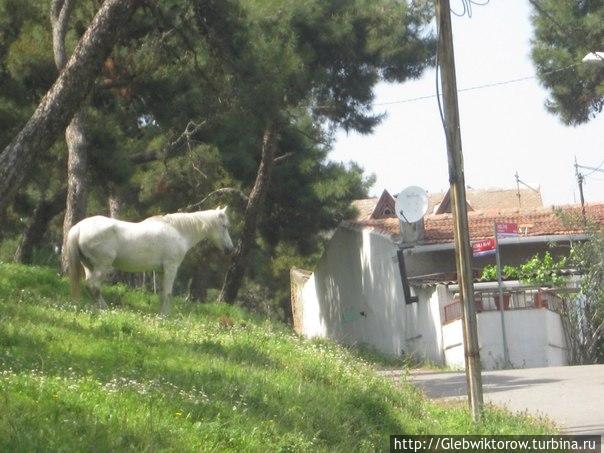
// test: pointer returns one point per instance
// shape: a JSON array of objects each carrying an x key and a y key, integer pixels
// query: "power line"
[
  {"x": 468, "y": 11},
  {"x": 477, "y": 87},
  {"x": 437, "y": 82},
  {"x": 467, "y": 7},
  {"x": 598, "y": 168}
]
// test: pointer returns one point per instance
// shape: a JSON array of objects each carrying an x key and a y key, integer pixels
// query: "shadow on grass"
[
  {"x": 125, "y": 331},
  {"x": 227, "y": 371},
  {"x": 73, "y": 425}
]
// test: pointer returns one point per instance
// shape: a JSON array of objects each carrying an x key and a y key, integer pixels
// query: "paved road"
[{"x": 573, "y": 397}]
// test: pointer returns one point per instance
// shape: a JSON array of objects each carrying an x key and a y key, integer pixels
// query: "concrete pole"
[
  {"x": 460, "y": 214},
  {"x": 580, "y": 182}
]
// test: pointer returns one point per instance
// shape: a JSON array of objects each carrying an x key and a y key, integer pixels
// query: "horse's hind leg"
[
  {"x": 94, "y": 279},
  {"x": 169, "y": 274}
]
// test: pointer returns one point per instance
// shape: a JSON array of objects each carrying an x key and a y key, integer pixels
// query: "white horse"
[{"x": 158, "y": 243}]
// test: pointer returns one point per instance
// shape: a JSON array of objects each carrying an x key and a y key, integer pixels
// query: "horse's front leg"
[
  {"x": 93, "y": 281},
  {"x": 169, "y": 274}
]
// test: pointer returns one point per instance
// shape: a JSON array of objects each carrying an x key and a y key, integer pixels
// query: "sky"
[{"x": 504, "y": 129}]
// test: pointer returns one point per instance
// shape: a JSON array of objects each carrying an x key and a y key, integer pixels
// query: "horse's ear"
[
  {"x": 224, "y": 209},
  {"x": 219, "y": 208}
]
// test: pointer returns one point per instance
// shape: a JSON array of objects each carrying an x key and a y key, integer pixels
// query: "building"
[{"x": 375, "y": 286}]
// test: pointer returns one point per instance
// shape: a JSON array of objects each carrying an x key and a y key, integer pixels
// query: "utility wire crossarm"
[
  {"x": 518, "y": 182},
  {"x": 581, "y": 179}
]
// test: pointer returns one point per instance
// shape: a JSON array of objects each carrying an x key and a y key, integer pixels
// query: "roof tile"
[{"x": 531, "y": 222}]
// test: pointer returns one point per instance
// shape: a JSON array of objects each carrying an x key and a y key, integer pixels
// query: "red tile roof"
[
  {"x": 478, "y": 200},
  {"x": 491, "y": 198},
  {"x": 364, "y": 208},
  {"x": 531, "y": 222}
]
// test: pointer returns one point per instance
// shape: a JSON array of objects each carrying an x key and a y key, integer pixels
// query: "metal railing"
[{"x": 488, "y": 300}]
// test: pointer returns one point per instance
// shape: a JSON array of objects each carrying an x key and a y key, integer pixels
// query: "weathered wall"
[
  {"x": 355, "y": 296},
  {"x": 556, "y": 350},
  {"x": 453, "y": 344},
  {"x": 423, "y": 333},
  {"x": 534, "y": 336}
]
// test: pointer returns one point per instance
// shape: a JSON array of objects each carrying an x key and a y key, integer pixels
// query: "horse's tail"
[{"x": 74, "y": 265}]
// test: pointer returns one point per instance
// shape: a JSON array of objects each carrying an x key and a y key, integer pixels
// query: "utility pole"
[
  {"x": 518, "y": 189},
  {"x": 580, "y": 182},
  {"x": 457, "y": 189}
]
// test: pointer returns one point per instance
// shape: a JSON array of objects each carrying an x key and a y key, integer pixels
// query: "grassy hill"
[{"x": 210, "y": 377}]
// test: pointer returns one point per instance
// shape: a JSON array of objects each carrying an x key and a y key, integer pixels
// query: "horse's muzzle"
[{"x": 229, "y": 251}]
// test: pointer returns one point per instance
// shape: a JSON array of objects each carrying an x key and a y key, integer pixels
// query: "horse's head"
[{"x": 220, "y": 233}]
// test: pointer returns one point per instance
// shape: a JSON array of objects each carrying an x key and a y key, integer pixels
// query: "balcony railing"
[{"x": 488, "y": 300}]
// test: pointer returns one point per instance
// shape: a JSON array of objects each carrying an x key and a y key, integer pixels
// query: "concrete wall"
[
  {"x": 453, "y": 345},
  {"x": 556, "y": 350},
  {"x": 534, "y": 336},
  {"x": 355, "y": 296},
  {"x": 423, "y": 334}
]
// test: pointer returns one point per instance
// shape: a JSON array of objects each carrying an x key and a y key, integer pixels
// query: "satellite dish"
[{"x": 411, "y": 204}]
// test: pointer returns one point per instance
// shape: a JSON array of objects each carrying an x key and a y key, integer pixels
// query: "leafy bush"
[{"x": 539, "y": 270}]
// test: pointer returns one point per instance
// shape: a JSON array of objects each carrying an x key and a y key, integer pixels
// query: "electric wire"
[
  {"x": 467, "y": 7},
  {"x": 462, "y": 13},
  {"x": 597, "y": 168},
  {"x": 477, "y": 87},
  {"x": 437, "y": 83}
]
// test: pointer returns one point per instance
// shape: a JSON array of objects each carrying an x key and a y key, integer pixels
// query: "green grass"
[{"x": 211, "y": 377}]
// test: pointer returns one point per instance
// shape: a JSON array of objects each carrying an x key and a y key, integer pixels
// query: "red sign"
[
  {"x": 484, "y": 247},
  {"x": 506, "y": 229}
]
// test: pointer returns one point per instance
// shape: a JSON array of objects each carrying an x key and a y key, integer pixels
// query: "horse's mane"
[{"x": 190, "y": 222}]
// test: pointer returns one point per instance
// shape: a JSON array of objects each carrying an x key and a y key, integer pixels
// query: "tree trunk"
[
  {"x": 75, "y": 209},
  {"x": 35, "y": 231},
  {"x": 114, "y": 208},
  {"x": 234, "y": 277},
  {"x": 114, "y": 203},
  {"x": 65, "y": 96}
]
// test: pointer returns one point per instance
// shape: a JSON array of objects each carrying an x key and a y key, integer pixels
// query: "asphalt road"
[{"x": 572, "y": 397}]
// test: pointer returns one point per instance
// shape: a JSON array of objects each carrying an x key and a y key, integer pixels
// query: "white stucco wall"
[
  {"x": 355, "y": 296},
  {"x": 453, "y": 345},
  {"x": 312, "y": 322},
  {"x": 534, "y": 336},
  {"x": 423, "y": 333},
  {"x": 557, "y": 352}
]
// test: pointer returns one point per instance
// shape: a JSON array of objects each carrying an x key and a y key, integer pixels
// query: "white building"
[{"x": 367, "y": 289}]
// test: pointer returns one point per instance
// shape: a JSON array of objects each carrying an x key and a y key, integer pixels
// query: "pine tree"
[
  {"x": 321, "y": 57},
  {"x": 66, "y": 95},
  {"x": 564, "y": 32}
]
